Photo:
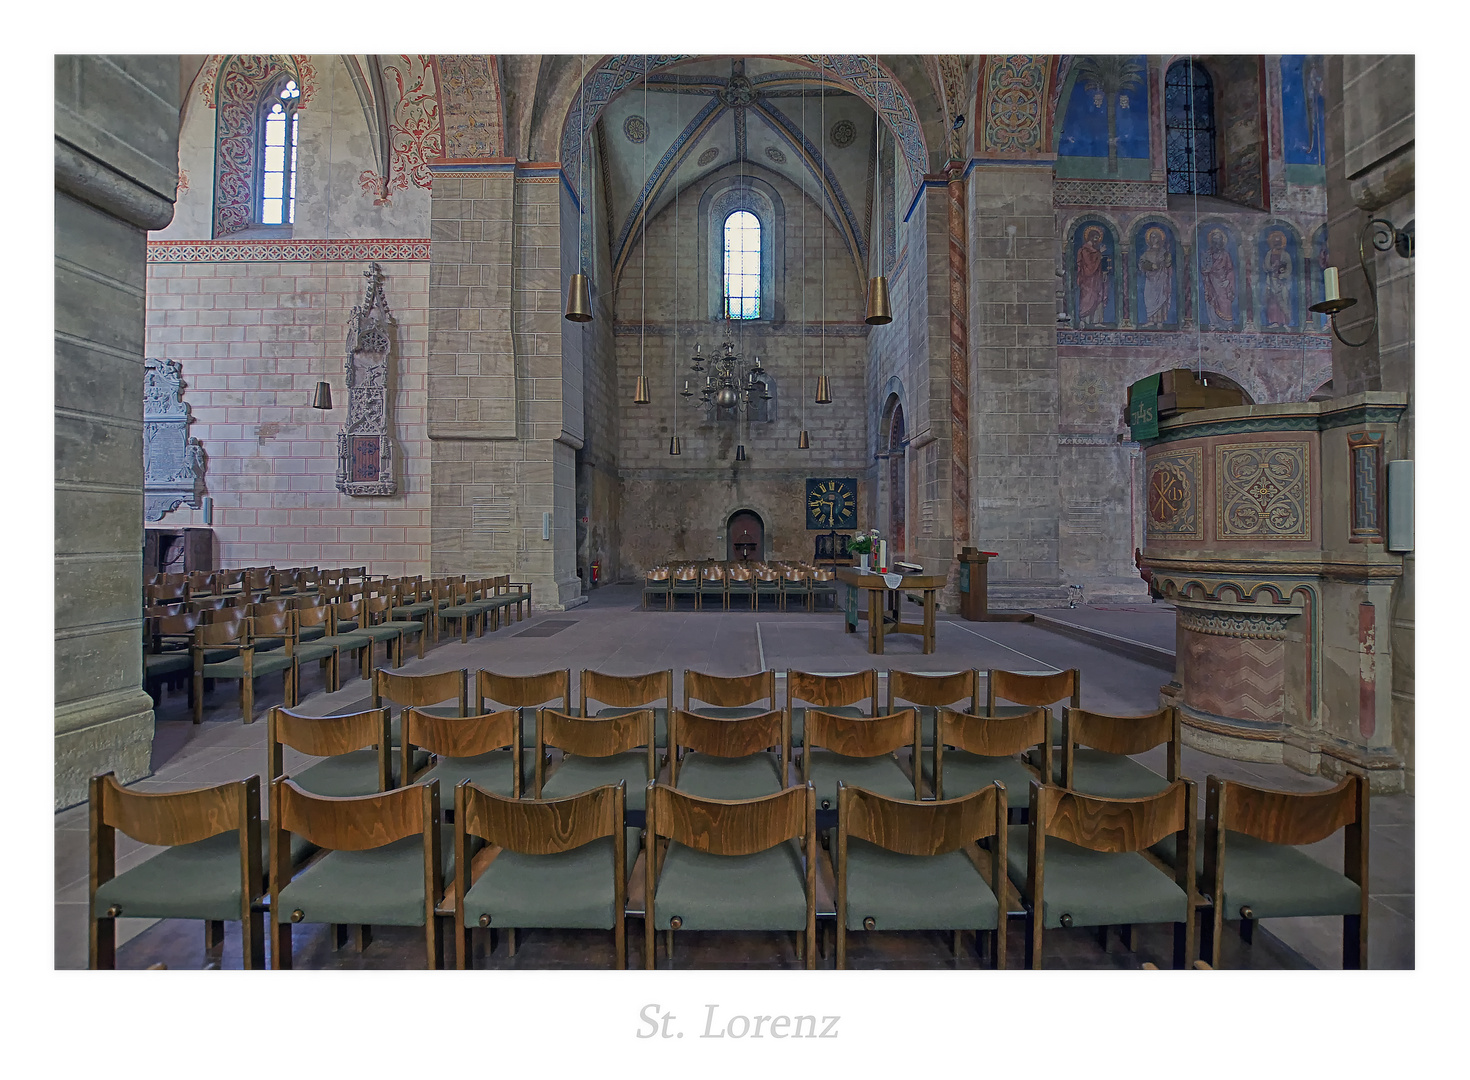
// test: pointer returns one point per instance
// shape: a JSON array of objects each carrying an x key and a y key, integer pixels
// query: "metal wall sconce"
[
  {"x": 740, "y": 452},
  {"x": 322, "y": 399},
  {"x": 1386, "y": 236}
]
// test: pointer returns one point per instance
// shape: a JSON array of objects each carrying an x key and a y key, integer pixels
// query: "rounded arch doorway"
[{"x": 745, "y": 537}]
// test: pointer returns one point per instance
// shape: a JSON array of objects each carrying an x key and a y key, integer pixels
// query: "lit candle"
[{"x": 1329, "y": 284}]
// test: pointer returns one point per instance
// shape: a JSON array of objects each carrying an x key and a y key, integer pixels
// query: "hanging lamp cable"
[
  {"x": 640, "y": 392},
  {"x": 1194, "y": 188}
]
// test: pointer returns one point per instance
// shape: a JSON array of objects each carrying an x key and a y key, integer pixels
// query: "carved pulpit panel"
[
  {"x": 173, "y": 462},
  {"x": 365, "y": 444}
]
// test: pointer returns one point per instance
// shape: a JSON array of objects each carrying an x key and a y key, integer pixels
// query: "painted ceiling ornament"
[
  {"x": 775, "y": 155},
  {"x": 365, "y": 444},
  {"x": 842, "y": 134},
  {"x": 738, "y": 92},
  {"x": 709, "y": 155},
  {"x": 636, "y": 129}
]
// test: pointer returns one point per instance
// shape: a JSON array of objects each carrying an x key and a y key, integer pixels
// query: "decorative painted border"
[
  {"x": 230, "y": 251},
  {"x": 1081, "y": 439},
  {"x": 1300, "y": 498},
  {"x": 1365, "y": 456},
  {"x": 1266, "y": 626},
  {"x": 1140, "y": 193},
  {"x": 1294, "y": 342}
]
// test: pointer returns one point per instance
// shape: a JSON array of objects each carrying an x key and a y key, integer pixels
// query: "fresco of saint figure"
[
  {"x": 1092, "y": 277},
  {"x": 1276, "y": 281},
  {"x": 1157, "y": 266},
  {"x": 1217, "y": 273}
]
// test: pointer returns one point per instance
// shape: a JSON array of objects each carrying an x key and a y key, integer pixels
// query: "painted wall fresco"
[
  {"x": 1156, "y": 280},
  {"x": 1221, "y": 287},
  {"x": 1093, "y": 269},
  {"x": 1107, "y": 113},
  {"x": 1316, "y": 290},
  {"x": 1278, "y": 255},
  {"x": 1303, "y": 111}
]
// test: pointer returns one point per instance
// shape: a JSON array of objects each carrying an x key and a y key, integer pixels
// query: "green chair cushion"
[
  {"x": 965, "y": 772},
  {"x": 493, "y": 771},
  {"x": 409, "y": 626},
  {"x": 347, "y": 642},
  {"x": 380, "y": 886},
  {"x": 315, "y": 650},
  {"x": 881, "y": 774},
  {"x": 798, "y": 718},
  {"x": 1111, "y": 776},
  {"x": 412, "y": 611},
  {"x": 156, "y": 664},
  {"x": 382, "y": 632},
  {"x": 916, "y": 892},
  {"x": 312, "y": 633},
  {"x": 1276, "y": 881},
  {"x": 346, "y": 626},
  {"x": 264, "y": 664},
  {"x": 578, "y": 774},
  {"x": 712, "y": 777},
  {"x": 1096, "y": 888},
  {"x": 190, "y": 881},
  {"x": 764, "y": 891},
  {"x": 660, "y": 721},
  {"x": 569, "y": 889}
]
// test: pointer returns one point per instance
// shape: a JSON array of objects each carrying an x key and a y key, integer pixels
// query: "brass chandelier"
[{"x": 729, "y": 383}]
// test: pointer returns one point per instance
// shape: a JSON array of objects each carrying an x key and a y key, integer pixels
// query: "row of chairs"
[
  {"x": 254, "y": 581},
  {"x": 739, "y": 583},
  {"x": 731, "y": 836}
]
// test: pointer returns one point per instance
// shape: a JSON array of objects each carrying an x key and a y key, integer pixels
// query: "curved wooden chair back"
[
  {"x": 417, "y": 691},
  {"x": 348, "y": 609},
  {"x": 991, "y": 736},
  {"x": 276, "y": 624},
  {"x": 328, "y": 736},
  {"x": 729, "y": 691},
  {"x": 658, "y": 573},
  {"x": 1033, "y": 689},
  {"x": 713, "y": 573},
  {"x": 727, "y": 738},
  {"x": 524, "y": 691},
  {"x": 599, "y": 737},
  {"x": 203, "y": 582},
  {"x": 860, "y": 737},
  {"x": 317, "y": 613},
  {"x": 1127, "y": 735},
  {"x": 176, "y": 624},
  {"x": 627, "y": 691},
  {"x": 270, "y": 607},
  {"x": 161, "y": 591},
  {"x": 169, "y": 819},
  {"x": 461, "y": 737},
  {"x": 210, "y": 603},
  {"x": 353, "y": 823},
  {"x": 833, "y": 691},
  {"x": 934, "y": 690},
  {"x": 232, "y": 628}
]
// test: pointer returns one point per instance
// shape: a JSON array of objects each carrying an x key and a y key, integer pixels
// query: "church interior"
[{"x": 756, "y": 511}]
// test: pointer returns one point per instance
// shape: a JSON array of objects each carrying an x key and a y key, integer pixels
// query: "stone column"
[
  {"x": 1014, "y": 489},
  {"x": 117, "y": 144}
]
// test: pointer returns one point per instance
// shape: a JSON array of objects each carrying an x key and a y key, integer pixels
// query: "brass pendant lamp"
[
  {"x": 879, "y": 311},
  {"x": 579, "y": 292}
]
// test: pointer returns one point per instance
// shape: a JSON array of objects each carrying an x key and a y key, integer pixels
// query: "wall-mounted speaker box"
[{"x": 1401, "y": 505}]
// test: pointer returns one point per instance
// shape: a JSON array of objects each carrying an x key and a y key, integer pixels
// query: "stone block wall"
[{"x": 249, "y": 337}]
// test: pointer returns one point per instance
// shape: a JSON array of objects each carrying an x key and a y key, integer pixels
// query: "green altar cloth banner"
[{"x": 1143, "y": 408}]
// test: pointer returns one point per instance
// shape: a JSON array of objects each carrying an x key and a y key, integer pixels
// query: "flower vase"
[{"x": 863, "y": 563}]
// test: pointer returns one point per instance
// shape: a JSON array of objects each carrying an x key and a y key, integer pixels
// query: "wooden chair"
[
  {"x": 484, "y": 750},
  {"x": 344, "y": 632},
  {"x": 985, "y": 751},
  {"x": 551, "y": 869},
  {"x": 390, "y": 631},
  {"x": 730, "y": 697},
  {"x": 859, "y": 752},
  {"x": 212, "y": 869},
  {"x": 453, "y": 603},
  {"x": 595, "y": 752},
  {"x": 167, "y": 659},
  {"x": 824, "y": 587},
  {"x": 245, "y": 666},
  {"x": 767, "y": 584},
  {"x": 656, "y": 583},
  {"x": 314, "y": 642},
  {"x": 1029, "y": 691},
  {"x": 928, "y": 692},
  {"x": 354, "y": 748},
  {"x": 423, "y": 692},
  {"x": 1099, "y": 874},
  {"x": 412, "y": 599},
  {"x": 910, "y": 866},
  {"x": 747, "y": 864},
  {"x": 738, "y": 585},
  {"x": 1252, "y": 865},
  {"x": 203, "y": 583},
  {"x": 1097, "y": 749},
  {"x": 525, "y": 694},
  {"x": 795, "y": 583},
  {"x": 385, "y": 862},
  {"x": 712, "y": 585},
  {"x": 686, "y": 583},
  {"x": 171, "y": 593},
  {"x": 626, "y": 693},
  {"x": 838, "y": 694},
  {"x": 729, "y": 758}
]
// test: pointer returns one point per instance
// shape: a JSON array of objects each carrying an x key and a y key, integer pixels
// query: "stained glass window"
[
  {"x": 742, "y": 266},
  {"x": 1189, "y": 127},
  {"x": 278, "y": 157}
]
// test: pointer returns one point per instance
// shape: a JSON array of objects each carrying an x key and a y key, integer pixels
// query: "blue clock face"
[{"x": 831, "y": 503}]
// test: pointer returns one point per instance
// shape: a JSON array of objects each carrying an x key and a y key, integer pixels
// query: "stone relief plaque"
[
  {"x": 1262, "y": 492},
  {"x": 365, "y": 443},
  {"x": 173, "y": 461}
]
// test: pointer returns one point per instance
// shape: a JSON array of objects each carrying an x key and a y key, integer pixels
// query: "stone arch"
[
  {"x": 723, "y": 197},
  {"x": 730, "y": 509},
  {"x": 741, "y": 527},
  {"x": 893, "y": 470}
]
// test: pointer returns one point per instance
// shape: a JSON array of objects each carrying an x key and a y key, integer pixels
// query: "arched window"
[
  {"x": 278, "y": 122},
  {"x": 742, "y": 266},
  {"x": 1189, "y": 128}
]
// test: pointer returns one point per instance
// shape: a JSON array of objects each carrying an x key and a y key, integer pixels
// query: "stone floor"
[{"x": 612, "y": 634}]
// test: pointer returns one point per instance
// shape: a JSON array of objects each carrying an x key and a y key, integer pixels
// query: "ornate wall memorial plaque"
[
  {"x": 364, "y": 445},
  {"x": 173, "y": 462}
]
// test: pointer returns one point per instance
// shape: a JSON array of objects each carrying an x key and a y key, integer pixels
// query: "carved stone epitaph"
[
  {"x": 173, "y": 462},
  {"x": 364, "y": 445}
]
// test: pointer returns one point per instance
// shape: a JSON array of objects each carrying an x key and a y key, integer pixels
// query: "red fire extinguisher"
[{"x": 596, "y": 566}]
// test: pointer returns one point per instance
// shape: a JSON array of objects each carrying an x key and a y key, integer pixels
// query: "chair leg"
[
  {"x": 955, "y": 945},
  {"x": 1182, "y": 940},
  {"x": 363, "y": 936},
  {"x": 281, "y": 943},
  {"x": 1125, "y": 935},
  {"x": 1354, "y": 942},
  {"x": 338, "y": 934},
  {"x": 669, "y": 944},
  {"x": 247, "y": 699},
  {"x": 252, "y": 941},
  {"x": 1101, "y": 934},
  {"x": 196, "y": 697},
  {"x": 214, "y": 934},
  {"x": 102, "y": 948},
  {"x": 1247, "y": 930},
  {"x": 1210, "y": 934},
  {"x": 1033, "y": 940}
]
